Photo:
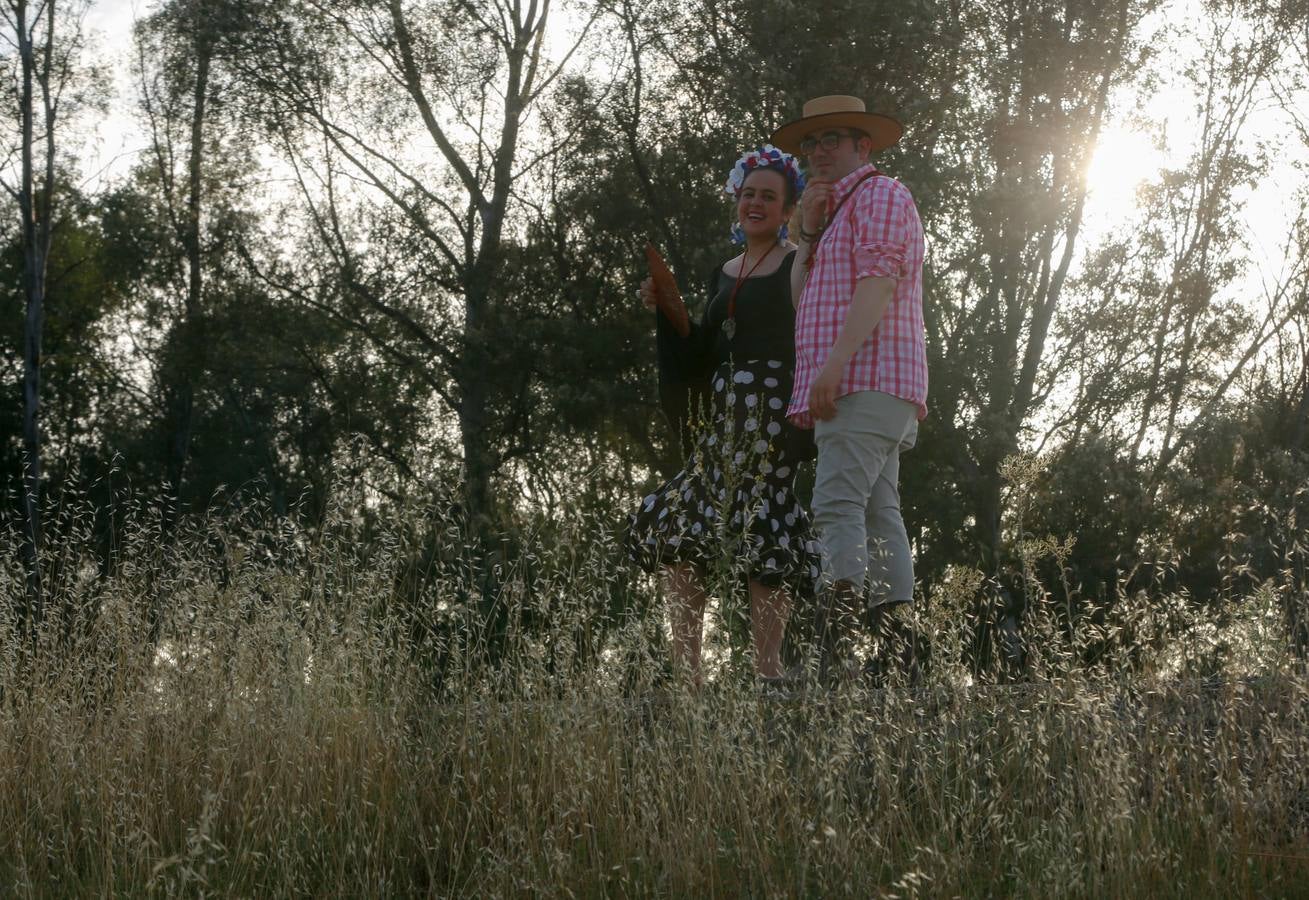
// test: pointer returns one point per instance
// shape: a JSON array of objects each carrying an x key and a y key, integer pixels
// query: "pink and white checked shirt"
[{"x": 876, "y": 233}]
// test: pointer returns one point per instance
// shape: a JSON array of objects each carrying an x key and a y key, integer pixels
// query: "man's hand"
[
  {"x": 823, "y": 392},
  {"x": 813, "y": 205}
]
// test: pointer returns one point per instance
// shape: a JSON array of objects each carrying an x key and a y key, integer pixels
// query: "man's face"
[{"x": 833, "y": 153}]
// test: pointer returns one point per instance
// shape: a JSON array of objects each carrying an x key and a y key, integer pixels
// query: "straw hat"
[{"x": 837, "y": 111}]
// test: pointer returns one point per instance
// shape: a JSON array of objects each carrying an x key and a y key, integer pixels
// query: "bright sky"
[
  {"x": 1127, "y": 156},
  {"x": 1125, "y": 160},
  {"x": 118, "y": 139}
]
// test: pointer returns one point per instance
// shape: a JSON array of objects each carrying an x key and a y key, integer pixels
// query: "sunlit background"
[
  {"x": 1146, "y": 133},
  {"x": 1125, "y": 159},
  {"x": 289, "y": 651}
]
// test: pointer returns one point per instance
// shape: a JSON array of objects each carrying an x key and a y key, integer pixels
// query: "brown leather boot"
[{"x": 898, "y": 649}]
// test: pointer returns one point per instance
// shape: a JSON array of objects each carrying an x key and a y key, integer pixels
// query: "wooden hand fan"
[{"x": 667, "y": 297}]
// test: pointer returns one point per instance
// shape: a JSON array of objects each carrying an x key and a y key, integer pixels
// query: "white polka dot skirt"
[{"x": 735, "y": 500}]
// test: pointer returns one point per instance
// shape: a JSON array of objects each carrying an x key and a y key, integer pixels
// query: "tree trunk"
[
  {"x": 34, "y": 289},
  {"x": 191, "y": 344},
  {"x": 35, "y": 211},
  {"x": 478, "y": 464},
  {"x": 1297, "y": 595}
]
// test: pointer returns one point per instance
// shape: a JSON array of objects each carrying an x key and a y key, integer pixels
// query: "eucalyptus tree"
[
  {"x": 410, "y": 130},
  {"x": 1174, "y": 316},
  {"x": 1204, "y": 332},
  {"x": 83, "y": 384},
  {"x": 176, "y": 48},
  {"x": 198, "y": 174},
  {"x": 42, "y": 46},
  {"x": 1041, "y": 76},
  {"x": 243, "y": 387}
]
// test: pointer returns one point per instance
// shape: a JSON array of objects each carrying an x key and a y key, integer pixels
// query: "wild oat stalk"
[{"x": 260, "y": 708}]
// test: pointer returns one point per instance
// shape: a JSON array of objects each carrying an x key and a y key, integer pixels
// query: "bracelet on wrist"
[{"x": 809, "y": 236}]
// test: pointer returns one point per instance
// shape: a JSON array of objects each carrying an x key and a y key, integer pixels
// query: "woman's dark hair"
[{"x": 792, "y": 196}]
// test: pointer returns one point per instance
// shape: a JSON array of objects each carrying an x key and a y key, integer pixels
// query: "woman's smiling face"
[{"x": 761, "y": 204}]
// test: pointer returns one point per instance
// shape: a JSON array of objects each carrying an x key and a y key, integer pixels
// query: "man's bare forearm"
[{"x": 799, "y": 271}]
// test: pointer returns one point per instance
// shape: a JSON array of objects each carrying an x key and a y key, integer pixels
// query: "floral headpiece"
[{"x": 766, "y": 157}]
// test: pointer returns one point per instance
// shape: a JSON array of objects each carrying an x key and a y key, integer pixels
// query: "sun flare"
[{"x": 1123, "y": 160}]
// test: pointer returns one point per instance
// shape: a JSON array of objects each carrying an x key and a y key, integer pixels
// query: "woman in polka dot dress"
[{"x": 734, "y": 503}]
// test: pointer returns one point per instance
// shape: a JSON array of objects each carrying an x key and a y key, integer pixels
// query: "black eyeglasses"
[{"x": 828, "y": 140}]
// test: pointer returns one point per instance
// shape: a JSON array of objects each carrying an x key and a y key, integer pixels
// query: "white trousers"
[{"x": 857, "y": 494}]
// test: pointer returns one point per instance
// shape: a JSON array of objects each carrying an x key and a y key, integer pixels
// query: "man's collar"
[{"x": 840, "y": 187}]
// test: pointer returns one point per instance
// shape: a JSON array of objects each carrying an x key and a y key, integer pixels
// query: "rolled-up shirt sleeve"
[{"x": 881, "y": 231}]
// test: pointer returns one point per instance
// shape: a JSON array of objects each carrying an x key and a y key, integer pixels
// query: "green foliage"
[
  {"x": 82, "y": 378},
  {"x": 348, "y": 330}
]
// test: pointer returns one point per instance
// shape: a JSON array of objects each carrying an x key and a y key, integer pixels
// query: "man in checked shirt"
[{"x": 861, "y": 370}]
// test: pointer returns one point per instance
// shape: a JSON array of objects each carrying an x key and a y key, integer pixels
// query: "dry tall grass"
[{"x": 251, "y": 712}]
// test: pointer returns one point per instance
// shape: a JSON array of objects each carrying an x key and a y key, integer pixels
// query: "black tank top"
[{"x": 765, "y": 317}]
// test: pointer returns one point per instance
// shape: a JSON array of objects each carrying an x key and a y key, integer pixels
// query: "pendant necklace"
[{"x": 729, "y": 324}]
